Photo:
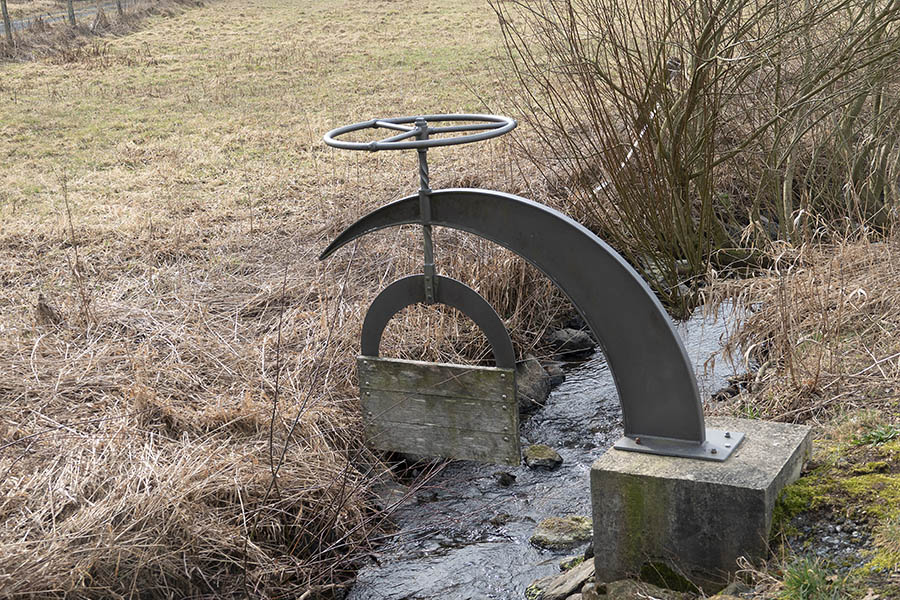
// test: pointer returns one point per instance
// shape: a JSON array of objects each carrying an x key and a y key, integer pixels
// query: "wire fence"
[{"x": 72, "y": 15}]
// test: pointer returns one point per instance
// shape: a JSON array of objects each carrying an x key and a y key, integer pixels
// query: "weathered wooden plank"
[
  {"x": 432, "y": 409},
  {"x": 443, "y": 411},
  {"x": 449, "y": 442},
  {"x": 488, "y": 384}
]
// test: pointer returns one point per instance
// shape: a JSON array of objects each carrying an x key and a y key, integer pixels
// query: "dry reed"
[
  {"x": 820, "y": 332},
  {"x": 179, "y": 404}
]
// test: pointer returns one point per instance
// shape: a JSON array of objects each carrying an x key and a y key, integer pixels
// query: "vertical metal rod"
[{"x": 425, "y": 212}]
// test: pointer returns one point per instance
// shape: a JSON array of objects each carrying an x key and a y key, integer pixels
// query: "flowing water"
[{"x": 465, "y": 535}]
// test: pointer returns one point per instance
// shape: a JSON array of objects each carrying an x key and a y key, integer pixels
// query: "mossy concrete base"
[{"x": 697, "y": 516}]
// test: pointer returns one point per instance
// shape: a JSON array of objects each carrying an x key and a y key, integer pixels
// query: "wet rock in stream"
[
  {"x": 559, "y": 587},
  {"x": 532, "y": 385},
  {"x": 555, "y": 371},
  {"x": 542, "y": 456},
  {"x": 570, "y": 344},
  {"x": 559, "y": 533}
]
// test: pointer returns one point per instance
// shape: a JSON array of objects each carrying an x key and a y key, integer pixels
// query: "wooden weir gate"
[{"x": 431, "y": 409}]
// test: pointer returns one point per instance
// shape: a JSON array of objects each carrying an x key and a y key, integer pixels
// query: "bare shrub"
[{"x": 695, "y": 133}]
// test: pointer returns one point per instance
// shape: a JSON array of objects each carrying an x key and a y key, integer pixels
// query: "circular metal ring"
[
  {"x": 489, "y": 126},
  {"x": 411, "y": 290}
]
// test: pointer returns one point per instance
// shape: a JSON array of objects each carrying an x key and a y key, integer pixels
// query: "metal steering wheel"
[{"x": 490, "y": 126}]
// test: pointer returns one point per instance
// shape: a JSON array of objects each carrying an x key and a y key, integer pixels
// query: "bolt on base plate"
[{"x": 718, "y": 445}]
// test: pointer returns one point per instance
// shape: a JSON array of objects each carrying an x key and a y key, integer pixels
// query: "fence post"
[
  {"x": 71, "y": 10},
  {"x": 119, "y": 8},
  {"x": 6, "y": 24}
]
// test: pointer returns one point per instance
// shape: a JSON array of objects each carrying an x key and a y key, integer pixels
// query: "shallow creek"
[{"x": 465, "y": 535}]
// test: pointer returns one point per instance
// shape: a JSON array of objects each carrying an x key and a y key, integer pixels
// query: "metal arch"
[
  {"x": 654, "y": 377},
  {"x": 411, "y": 290}
]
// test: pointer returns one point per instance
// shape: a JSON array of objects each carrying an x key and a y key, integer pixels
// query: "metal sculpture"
[{"x": 657, "y": 388}]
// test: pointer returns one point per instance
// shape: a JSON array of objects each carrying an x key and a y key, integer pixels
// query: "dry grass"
[
  {"x": 168, "y": 340},
  {"x": 822, "y": 330},
  {"x": 820, "y": 340}
]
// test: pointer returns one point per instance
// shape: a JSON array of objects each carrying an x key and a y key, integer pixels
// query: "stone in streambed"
[
  {"x": 542, "y": 456},
  {"x": 559, "y": 533},
  {"x": 555, "y": 372},
  {"x": 559, "y": 587},
  {"x": 593, "y": 591},
  {"x": 629, "y": 589},
  {"x": 505, "y": 479},
  {"x": 570, "y": 343},
  {"x": 532, "y": 385}
]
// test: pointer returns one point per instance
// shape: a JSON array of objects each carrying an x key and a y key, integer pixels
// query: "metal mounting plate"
[{"x": 718, "y": 445}]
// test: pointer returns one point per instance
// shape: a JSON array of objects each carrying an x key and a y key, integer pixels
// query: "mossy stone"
[
  {"x": 533, "y": 592},
  {"x": 572, "y": 561},
  {"x": 558, "y": 533},
  {"x": 542, "y": 456}
]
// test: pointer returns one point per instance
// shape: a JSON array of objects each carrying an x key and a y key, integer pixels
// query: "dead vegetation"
[
  {"x": 178, "y": 402},
  {"x": 178, "y": 395},
  {"x": 820, "y": 332},
  {"x": 819, "y": 337},
  {"x": 181, "y": 418},
  {"x": 692, "y": 135}
]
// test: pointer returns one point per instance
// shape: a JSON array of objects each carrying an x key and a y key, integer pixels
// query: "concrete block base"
[{"x": 692, "y": 516}]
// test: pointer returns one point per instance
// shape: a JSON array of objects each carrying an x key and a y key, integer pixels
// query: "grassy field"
[{"x": 169, "y": 342}]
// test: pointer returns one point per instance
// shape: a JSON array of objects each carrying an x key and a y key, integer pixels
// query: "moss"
[
  {"x": 541, "y": 455},
  {"x": 811, "y": 491},
  {"x": 877, "y": 494},
  {"x": 884, "y": 561},
  {"x": 645, "y": 513},
  {"x": 662, "y": 575},
  {"x": 540, "y": 452},
  {"x": 845, "y": 482},
  {"x": 879, "y": 466},
  {"x": 562, "y": 532},
  {"x": 570, "y": 563},
  {"x": 533, "y": 592},
  {"x": 889, "y": 449}
]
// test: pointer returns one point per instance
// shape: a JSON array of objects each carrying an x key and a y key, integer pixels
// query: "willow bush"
[{"x": 693, "y": 133}]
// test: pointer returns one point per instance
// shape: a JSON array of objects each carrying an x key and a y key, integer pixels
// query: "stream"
[{"x": 465, "y": 534}]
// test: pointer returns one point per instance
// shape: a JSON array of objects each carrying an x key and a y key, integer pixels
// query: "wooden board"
[{"x": 433, "y": 409}]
